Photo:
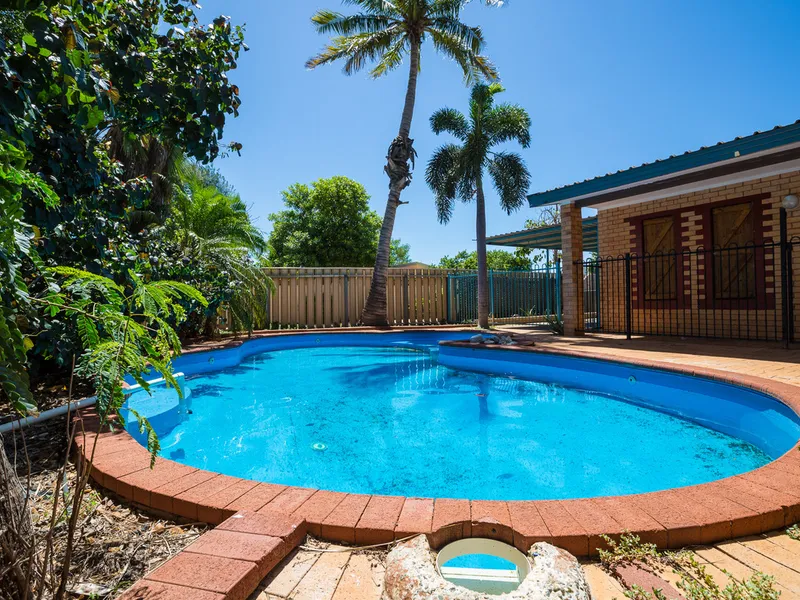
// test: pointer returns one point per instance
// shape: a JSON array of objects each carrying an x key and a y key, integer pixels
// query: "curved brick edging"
[
  {"x": 225, "y": 563},
  {"x": 755, "y": 502}
]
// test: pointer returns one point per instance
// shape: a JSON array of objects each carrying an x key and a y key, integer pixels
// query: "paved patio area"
[
  {"x": 343, "y": 574},
  {"x": 760, "y": 359}
]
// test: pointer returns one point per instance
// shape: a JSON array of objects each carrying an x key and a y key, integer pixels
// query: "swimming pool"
[{"x": 397, "y": 414}]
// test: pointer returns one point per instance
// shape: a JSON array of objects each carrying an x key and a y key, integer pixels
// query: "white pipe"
[
  {"x": 62, "y": 410},
  {"x": 46, "y": 415}
]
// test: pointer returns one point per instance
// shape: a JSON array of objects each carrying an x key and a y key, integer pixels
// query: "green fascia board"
[{"x": 757, "y": 142}]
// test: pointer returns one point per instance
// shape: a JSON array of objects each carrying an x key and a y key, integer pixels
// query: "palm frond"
[
  {"x": 511, "y": 179},
  {"x": 508, "y": 122},
  {"x": 445, "y": 9},
  {"x": 468, "y": 36},
  {"x": 328, "y": 21},
  {"x": 375, "y": 7},
  {"x": 391, "y": 59},
  {"x": 442, "y": 175},
  {"x": 451, "y": 121},
  {"x": 473, "y": 66},
  {"x": 481, "y": 97},
  {"x": 357, "y": 50}
]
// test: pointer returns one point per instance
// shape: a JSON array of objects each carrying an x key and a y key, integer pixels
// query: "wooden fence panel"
[{"x": 334, "y": 297}]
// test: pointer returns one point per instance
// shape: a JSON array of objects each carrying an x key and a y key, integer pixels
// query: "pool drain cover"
[{"x": 319, "y": 447}]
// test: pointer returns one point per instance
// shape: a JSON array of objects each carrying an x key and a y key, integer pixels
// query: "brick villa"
[{"x": 698, "y": 244}]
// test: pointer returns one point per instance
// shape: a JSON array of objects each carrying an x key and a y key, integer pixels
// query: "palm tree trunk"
[
  {"x": 400, "y": 152},
  {"x": 483, "y": 274}
]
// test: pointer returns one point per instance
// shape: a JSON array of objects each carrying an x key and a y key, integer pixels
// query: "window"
[
  {"x": 660, "y": 270},
  {"x": 734, "y": 256}
]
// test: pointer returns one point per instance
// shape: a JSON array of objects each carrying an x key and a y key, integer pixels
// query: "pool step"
[{"x": 226, "y": 563}]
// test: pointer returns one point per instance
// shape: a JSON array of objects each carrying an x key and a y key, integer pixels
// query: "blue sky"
[{"x": 607, "y": 84}]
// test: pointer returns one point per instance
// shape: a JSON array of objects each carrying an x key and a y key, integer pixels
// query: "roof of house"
[
  {"x": 739, "y": 147},
  {"x": 546, "y": 238}
]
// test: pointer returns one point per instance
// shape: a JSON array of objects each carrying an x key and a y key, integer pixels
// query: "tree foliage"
[
  {"x": 546, "y": 216},
  {"x": 497, "y": 260},
  {"x": 16, "y": 247},
  {"x": 385, "y": 32},
  {"x": 104, "y": 96},
  {"x": 123, "y": 331},
  {"x": 456, "y": 171},
  {"x": 401, "y": 253},
  {"x": 325, "y": 224},
  {"x": 218, "y": 246},
  {"x": 84, "y": 72}
]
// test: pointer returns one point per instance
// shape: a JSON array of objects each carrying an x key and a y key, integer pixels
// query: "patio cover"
[{"x": 546, "y": 238}]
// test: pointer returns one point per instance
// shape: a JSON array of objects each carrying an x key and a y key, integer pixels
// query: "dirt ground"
[{"x": 117, "y": 543}]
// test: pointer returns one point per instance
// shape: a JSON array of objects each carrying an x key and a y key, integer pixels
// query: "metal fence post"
[
  {"x": 558, "y": 289},
  {"x": 597, "y": 324},
  {"x": 548, "y": 293},
  {"x": 786, "y": 304},
  {"x": 346, "y": 300},
  {"x": 491, "y": 295},
  {"x": 405, "y": 299},
  {"x": 790, "y": 295},
  {"x": 628, "y": 295}
]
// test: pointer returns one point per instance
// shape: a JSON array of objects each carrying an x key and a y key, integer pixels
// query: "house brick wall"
[
  {"x": 571, "y": 279},
  {"x": 618, "y": 235}
]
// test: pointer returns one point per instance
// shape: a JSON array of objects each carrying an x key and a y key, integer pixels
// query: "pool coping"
[{"x": 755, "y": 502}]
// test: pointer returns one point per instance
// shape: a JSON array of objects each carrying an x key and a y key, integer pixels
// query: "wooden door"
[{"x": 734, "y": 252}]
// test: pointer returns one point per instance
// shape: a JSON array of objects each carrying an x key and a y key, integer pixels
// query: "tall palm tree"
[
  {"x": 383, "y": 33},
  {"x": 456, "y": 171}
]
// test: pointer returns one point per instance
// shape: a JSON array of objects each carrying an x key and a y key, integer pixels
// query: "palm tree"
[
  {"x": 456, "y": 171},
  {"x": 215, "y": 229},
  {"x": 383, "y": 34},
  {"x": 159, "y": 160}
]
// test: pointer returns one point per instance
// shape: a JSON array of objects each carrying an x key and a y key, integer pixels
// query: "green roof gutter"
[{"x": 706, "y": 156}]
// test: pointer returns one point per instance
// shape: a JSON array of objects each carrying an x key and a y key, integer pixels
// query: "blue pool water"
[{"x": 393, "y": 419}]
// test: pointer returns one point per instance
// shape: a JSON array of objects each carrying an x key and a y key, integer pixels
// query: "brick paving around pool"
[{"x": 751, "y": 503}]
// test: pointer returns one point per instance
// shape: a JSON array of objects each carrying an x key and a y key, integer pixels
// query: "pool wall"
[
  {"x": 194, "y": 363},
  {"x": 734, "y": 410},
  {"x": 762, "y": 500}
]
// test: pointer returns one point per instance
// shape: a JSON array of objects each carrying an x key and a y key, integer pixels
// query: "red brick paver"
[
  {"x": 491, "y": 519},
  {"x": 317, "y": 508},
  {"x": 340, "y": 525},
  {"x": 416, "y": 517},
  {"x": 379, "y": 519},
  {"x": 263, "y": 550},
  {"x": 452, "y": 520},
  {"x": 155, "y": 590},
  {"x": 232, "y": 578}
]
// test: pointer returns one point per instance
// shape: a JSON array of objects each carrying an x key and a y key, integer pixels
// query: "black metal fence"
[{"x": 746, "y": 292}]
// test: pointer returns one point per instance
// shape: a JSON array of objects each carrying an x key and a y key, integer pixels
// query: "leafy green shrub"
[
  {"x": 16, "y": 248},
  {"x": 555, "y": 323},
  {"x": 794, "y": 532}
]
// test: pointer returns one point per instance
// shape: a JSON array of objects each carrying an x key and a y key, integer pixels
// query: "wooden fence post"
[
  {"x": 405, "y": 300},
  {"x": 346, "y": 300}
]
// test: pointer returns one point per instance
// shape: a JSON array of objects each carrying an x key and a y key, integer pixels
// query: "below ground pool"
[{"x": 396, "y": 414}]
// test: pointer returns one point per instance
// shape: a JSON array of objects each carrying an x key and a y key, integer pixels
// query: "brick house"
[{"x": 698, "y": 244}]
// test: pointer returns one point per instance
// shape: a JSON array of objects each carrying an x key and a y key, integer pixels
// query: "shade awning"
[{"x": 546, "y": 238}]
